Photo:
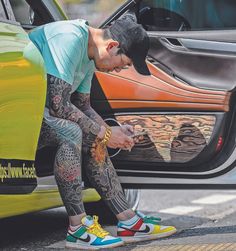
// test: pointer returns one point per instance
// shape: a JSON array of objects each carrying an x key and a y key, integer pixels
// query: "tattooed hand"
[
  {"x": 119, "y": 139},
  {"x": 127, "y": 129}
]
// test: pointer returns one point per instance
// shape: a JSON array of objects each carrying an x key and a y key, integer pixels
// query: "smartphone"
[{"x": 139, "y": 134}]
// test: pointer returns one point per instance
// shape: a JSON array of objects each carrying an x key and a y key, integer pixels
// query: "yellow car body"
[{"x": 22, "y": 100}]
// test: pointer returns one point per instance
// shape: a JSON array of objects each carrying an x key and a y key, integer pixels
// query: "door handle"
[{"x": 173, "y": 42}]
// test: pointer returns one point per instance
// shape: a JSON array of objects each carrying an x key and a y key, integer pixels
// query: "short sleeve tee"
[{"x": 64, "y": 48}]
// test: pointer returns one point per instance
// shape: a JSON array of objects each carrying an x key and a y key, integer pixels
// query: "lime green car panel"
[
  {"x": 22, "y": 93},
  {"x": 39, "y": 200}
]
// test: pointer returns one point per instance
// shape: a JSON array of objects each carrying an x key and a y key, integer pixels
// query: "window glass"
[
  {"x": 188, "y": 14},
  {"x": 22, "y": 11},
  {"x": 2, "y": 12},
  {"x": 94, "y": 11}
]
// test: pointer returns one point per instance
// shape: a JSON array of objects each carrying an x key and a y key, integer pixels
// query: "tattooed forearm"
[
  {"x": 95, "y": 117},
  {"x": 61, "y": 106},
  {"x": 82, "y": 102}
]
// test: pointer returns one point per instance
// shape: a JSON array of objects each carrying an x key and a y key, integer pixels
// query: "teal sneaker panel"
[
  {"x": 101, "y": 242},
  {"x": 76, "y": 235}
]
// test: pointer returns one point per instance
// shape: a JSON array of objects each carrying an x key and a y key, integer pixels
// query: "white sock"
[
  {"x": 73, "y": 228},
  {"x": 130, "y": 221}
]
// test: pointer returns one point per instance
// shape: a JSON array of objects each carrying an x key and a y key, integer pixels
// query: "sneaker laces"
[
  {"x": 148, "y": 219},
  {"x": 96, "y": 228},
  {"x": 151, "y": 219}
]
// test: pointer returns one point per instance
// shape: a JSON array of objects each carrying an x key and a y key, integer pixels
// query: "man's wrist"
[
  {"x": 104, "y": 135},
  {"x": 107, "y": 136},
  {"x": 102, "y": 132}
]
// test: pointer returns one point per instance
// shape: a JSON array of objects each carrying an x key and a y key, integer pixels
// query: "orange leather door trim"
[{"x": 128, "y": 89}]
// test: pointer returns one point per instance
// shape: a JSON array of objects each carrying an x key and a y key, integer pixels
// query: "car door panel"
[
  {"x": 227, "y": 36},
  {"x": 141, "y": 101},
  {"x": 211, "y": 46},
  {"x": 203, "y": 124},
  {"x": 185, "y": 106},
  {"x": 130, "y": 90},
  {"x": 210, "y": 69},
  {"x": 171, "y": 138}
]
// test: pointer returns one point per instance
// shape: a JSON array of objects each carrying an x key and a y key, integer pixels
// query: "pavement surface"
[{"x": 206, "y": 220}]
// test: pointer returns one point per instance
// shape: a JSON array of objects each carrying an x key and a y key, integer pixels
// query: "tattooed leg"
[
  {"x": 67, "y": 170},
  {"x": 105, "y": 180},
  {"x": 67, "y": 166}
]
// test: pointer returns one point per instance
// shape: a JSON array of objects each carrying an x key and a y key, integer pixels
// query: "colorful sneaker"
[
  {"x": 143, "y": 228},
  {"x": 91, "y": 236}
]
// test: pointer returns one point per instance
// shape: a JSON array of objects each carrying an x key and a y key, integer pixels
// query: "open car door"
[{"x": 187, "y": 106}]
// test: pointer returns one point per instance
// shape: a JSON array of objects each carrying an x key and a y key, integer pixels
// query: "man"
[{"x": 71, "y": 51}]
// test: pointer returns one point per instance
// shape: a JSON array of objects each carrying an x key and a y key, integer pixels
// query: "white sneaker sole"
[
  {"x": 75, "y": 245},
  {"x": 147, "y": 237}
]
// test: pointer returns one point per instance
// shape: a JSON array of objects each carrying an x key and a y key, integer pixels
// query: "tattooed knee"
[{"x": 67, "y": 164}]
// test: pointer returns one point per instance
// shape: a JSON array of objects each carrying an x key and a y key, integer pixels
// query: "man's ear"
[{"x": 112, "y": 47}]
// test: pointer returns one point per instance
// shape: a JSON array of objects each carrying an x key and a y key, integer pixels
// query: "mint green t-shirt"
[{"x": 64, "y": 48}]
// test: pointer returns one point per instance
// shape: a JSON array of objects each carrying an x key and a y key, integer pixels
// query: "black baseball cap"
[{"x": 133, "y": 42}]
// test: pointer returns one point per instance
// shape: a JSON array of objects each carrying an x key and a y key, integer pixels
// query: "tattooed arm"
[
  {"x": 60, "y": 106},
  {"x": 82, "y": 102}
]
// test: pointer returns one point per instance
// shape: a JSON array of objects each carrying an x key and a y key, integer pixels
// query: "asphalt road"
[{"x": 201, "y": 217}]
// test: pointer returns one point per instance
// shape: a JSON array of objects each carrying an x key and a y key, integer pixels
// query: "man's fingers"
[
  {"x": 127, "y": 129},
  {"x": 129, "y": 140},
  {"x": 136, "y": 140},
  {"x": 130, "y": 128}
]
